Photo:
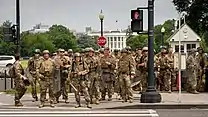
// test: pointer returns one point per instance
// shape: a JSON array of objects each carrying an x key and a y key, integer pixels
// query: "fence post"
[{"x": 5, "y": 81}]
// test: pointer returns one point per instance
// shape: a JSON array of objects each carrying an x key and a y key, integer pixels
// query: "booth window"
[{"x": 177, "y": 48}]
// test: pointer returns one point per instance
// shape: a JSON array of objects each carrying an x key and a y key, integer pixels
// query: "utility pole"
[{"x": 18, "y": 26}]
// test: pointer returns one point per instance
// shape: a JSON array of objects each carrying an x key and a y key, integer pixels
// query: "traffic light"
[
  {"x": 9, "y": 34},
  {"x": 137, "y": 20}
]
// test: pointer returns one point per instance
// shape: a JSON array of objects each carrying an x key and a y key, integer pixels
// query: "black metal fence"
[{"x": 6, "y": 83}]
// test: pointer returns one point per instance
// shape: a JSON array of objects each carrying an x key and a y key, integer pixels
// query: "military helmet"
[
  {"x": 54, "y": 54},
  {"x": 200, "y": 48},
  {"x": 37, "y": 51},
  {"x": 46, "y": 52},
  {"x": 124, "y": 50},
  {"x": 77, "y": 54},
  {"x": 145, "y": 49},
  {"x": 106, "y": 48},
  {"x": 116, "y": 50},
  {"x": 70, "y": 50},
  {"x": 101, "y": 50},
  {"x": 90, "y": 49},
  {"x": 128, "y": 48},
  {"x": 61, "y": 50}
]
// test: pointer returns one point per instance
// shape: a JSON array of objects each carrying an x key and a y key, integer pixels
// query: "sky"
[{"x": 77, "y": 14}]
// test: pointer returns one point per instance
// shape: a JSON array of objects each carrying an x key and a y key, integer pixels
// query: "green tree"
[
  {"x": 6, "y": 48},
  {"x": 169, "y": 27},
  {"x": 32, "y": 41},
  {"x": 62, "y": 37},
  {"x": 85, "y": 41},
  {"x": 138, "y": 41},
  {"x": 197, "y": 13}
]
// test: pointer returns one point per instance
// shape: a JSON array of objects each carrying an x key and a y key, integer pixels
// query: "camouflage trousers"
[
  {"x": 125, "y": 81},
  {"x": 161, "y": 78},
  {"x": 200, "y": 80},
  {"x": 191, "y": 81},
  {"x": 46, "y": 83},
  {"x": 80, "y": 87},
  {"x": 20, "y": 90},
  {"x": 117, "y": 86},
  {"x": 107, "y": 80},
  {"x": 94, "y": 88},
  {"x": 167, "y": 80},
  {"x": 144, "y": 76},
  {"x": 34, "y": 87}
]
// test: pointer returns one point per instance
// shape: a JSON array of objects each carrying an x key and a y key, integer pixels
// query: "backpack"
[{"x": 12, "y": 71}]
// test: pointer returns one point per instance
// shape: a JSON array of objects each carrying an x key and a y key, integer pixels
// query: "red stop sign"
[{"x": 101, "y": 41}]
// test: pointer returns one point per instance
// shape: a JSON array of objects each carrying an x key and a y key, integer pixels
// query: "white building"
[
  {"x": 189, "y": 39},
  {"x": 115, "y": 39},
  {"x": 40, "y": 28}
]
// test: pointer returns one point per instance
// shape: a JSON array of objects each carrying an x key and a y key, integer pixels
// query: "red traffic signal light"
[{"x": 137, "y": 14}]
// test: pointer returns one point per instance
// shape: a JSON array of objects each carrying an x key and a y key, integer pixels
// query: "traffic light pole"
[
  {"x": 18, "y": 26},
  {"x": 151, "y": 95}
]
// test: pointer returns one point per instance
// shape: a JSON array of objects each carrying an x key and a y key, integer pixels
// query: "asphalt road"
[{"x": 182, "y": 112}]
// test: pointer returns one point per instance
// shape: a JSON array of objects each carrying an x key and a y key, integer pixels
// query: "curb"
[{"x": 163, "y": 106}]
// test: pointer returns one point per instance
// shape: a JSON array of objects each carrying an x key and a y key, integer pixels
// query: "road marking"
[{"x": 105, "y": 113}]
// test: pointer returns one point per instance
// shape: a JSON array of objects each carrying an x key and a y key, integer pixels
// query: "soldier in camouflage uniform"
[
  {"x": 138, "y": 72},
  {"x": 62, "y": 62},
  {"x": 108, "y": 66},
  {"x": 117, "y": 87},
  {"x": 170, "y": 70},
  {"x": 162, "y": 66},
  {"x": 45, "y": 73},
  {"x": 142, "y": 66},
  {"x": 93, "y": 76},
  {"x": 202, "y": 61},
  {"x": 126, "y": 71},
  {"x": 77, "y": 78},
  {"x": 32, "y": 68},
  {"x": 20, "y": 87},
  {"x": 191, "y": 69}
]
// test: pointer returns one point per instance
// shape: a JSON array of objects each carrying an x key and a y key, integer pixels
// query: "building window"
[
  {"x": 114, "y": 38},
  {"x": 177, "y": 48},
  {"x": 111, "y": 38},
  {"x": 122, "y": 39},
  {"x": 115, "y": 44},
  {"x": 119, "y": 38},
  {"x": 111, "y": 44},
  {"x": 190, "y": 46},
  {"x": 119, "y": 46}
]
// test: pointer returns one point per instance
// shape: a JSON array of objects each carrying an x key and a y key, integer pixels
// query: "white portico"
[
  {"x": 189, "y": 39},
  {"x": 115, "y": 39}
]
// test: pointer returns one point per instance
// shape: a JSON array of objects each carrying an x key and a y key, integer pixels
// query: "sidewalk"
[
  {"x": 169, "y": 101},
  {"x": 172, "y": 101}
]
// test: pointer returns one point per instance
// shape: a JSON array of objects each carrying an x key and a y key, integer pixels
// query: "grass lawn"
[{"x": 24, "y": 63}]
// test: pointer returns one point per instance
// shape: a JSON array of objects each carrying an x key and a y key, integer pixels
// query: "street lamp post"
[
  {"x": 151, "y": 95},
  {"x": 162, "y": 37},
  {"x": 101, "y": 17}
]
